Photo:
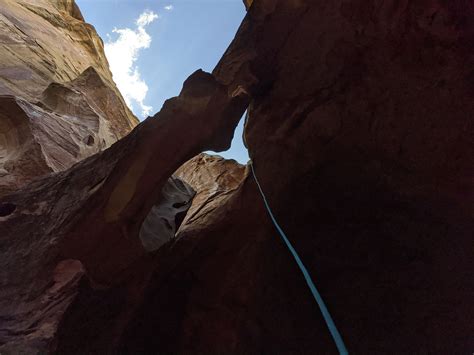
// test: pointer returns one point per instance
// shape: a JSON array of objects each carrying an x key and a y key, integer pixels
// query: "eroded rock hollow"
[{"x": 119, "y": 237}]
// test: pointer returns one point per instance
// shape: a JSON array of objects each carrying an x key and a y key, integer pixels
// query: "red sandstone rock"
[
  {"x": 93, "y": 212},
  {"x": 362, "y": 140},
  {"x": 359, "y": 129},
  {"x": 58, "y": 103},
  {"x": 365, "y": 154},
  {"x": 215, "y": 180}
]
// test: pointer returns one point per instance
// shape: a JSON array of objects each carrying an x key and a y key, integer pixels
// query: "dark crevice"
[
  {"x": 7, "y": 209},
  {"x": 90, "y": 140},
  {"x": 180, "y": 204},
  {"x": 179, "y": 218}
]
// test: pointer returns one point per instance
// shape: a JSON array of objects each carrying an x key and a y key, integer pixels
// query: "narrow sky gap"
[
  {"x": 154, "y": 56},
  {"x": 122, "y": 53}
]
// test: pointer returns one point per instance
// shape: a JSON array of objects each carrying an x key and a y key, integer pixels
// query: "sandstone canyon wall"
[
  {"x": 58, "y": 102},
  {"x": 360, "y": 129}
]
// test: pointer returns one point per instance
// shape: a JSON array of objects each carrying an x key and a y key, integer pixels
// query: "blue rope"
[{"x": 319, "y": 300}]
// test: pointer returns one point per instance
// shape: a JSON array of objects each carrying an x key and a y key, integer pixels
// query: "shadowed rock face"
[
  {"x": 359, "y": 129},
  {"x": 121, "y": 318},
  {"x": 360, "y": 132},
  {"x": 93, "y": 212},
  {"x": 366, "y": 161},
  {"x": 164, "y": 218}
]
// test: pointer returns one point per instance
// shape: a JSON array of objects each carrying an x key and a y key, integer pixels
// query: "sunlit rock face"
[
  {"x": 59, "y": 103},
  {"x": 359, "y": 128},
  {"x": 214, "y": 179}
]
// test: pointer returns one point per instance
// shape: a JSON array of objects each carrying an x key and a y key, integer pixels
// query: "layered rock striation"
[
  {"x": 58, "y": 102},
  {"x": 92, "y": 213},
  {"x": 359, "y": 128}
]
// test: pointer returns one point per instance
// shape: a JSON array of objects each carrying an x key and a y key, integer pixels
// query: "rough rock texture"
[
  {"x": 227, "y": 284},
  {"x": 58, "y": 103},
  {"x": 165, "y": 218},
  {"x": 93, "y": 212},
  {"x": 46, "y": 41},
  {"x": 214, "y": 179},
  {"x": 366, "y": 112},
  {"x": 247, "y": 3},
  {"x": 109, "y": 318},
  {"x": 359, "y": 128},
  {"x": 367, "y": 162}
]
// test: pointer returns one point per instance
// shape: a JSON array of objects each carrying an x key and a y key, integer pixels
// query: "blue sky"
[{"x": 158, "y": 44}]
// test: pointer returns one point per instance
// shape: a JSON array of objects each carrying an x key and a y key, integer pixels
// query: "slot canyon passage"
[{"x": 123, "y": 237}]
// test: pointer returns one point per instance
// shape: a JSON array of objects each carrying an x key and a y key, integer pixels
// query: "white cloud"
[
  {"x": 169, "y": 7},
  {"x": 146, "y": 18},
  {"x": 122, "y": 53}
]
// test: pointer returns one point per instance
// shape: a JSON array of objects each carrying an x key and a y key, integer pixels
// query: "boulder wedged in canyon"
[
  {"x": 107, "y": 316},
  {"x": 227, "y": 285},
  {"x": 214, "y": 179},
  {"x": 59, "y": 77},
  {"x": 359, "y": 128},
  {"x": 92, "y": 213}
]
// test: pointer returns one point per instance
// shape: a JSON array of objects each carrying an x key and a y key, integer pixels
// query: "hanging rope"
[{"x": 319, "y": 300}]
